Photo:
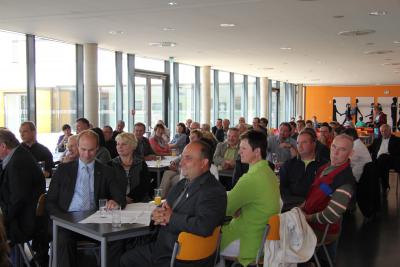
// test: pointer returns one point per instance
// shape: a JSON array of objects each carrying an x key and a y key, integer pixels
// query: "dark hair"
[
  {"x": 99, "y": 132},
  {"x": 197, "y": 132},
  {"x": 257, "y": 118},
  {"x": 351, "y": 132},
  {"x": 66, "y": 127},
  {"x": 31, "y": 125},
  {"x": 293, "y": 124},
  {"x": 338, "y": 130},
  {"x": 108, "y": 127},
  {"x": 309, "y": 121},
  {"x": 256, "y": 139},
  {"x": 84, "y": 120},
  {"x": 264, "y": 120},
  {"x": 310, "y": 132},
  {"x": 183, "y": 126},
  {"x": 140, "y": 124},
  {"x": 205, "y": 151},
  {"x": 325, "y": 124},
  {"x": 302, "y": 122},
  {"x": 233, "y": 129},
  {"x": 286, "y": 124},
  {"x": 8, "y": 138},
  {"x": 361, "y": 118}
]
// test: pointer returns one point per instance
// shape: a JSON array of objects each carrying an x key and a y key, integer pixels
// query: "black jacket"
[
  {"x": 62, "y": 186},
  {"x": 394, "y": 147},
  {"x": 138, "y": 177},
  {"x": 22, "y": 182}
]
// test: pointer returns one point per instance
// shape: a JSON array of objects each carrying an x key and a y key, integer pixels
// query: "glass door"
[{"x": 149, "y": 95}]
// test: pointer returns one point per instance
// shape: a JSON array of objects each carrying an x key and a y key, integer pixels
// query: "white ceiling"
[{"x": 318, "y": 56}]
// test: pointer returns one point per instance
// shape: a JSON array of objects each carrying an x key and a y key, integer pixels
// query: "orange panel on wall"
[{"x": 318, "y": 99}]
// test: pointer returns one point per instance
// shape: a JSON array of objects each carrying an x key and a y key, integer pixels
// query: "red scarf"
[{"x": 320, "y": 194}]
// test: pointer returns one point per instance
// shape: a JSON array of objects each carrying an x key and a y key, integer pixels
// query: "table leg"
[
  {"x": 54, "y": 246},
  {"x": 158, "y": 177},
  {"x": 103, "y": 252}
]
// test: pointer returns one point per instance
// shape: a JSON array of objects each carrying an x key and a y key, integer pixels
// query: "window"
[
  {"x": 107, "y": 92},
  {"x": 55, "y": 89},
  {"x": 140, "y": 104},
  {"x": 125, "y": 97},
  {"x": 252, "y": 98},
  {"x": 149, "y": 64},
  {"x": 224, "y": 95},
  {"x": 13, "y": 99},
  {"x": 238, "y": 98},
  {"x": 186, "y": 92}
]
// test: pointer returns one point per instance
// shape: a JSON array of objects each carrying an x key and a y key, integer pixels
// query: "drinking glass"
[
  {"x": 102, "y": 207},
  {"x": 116, "y": 217},
  {"x": 158, "y": 161},
  {"x": 157, "y": 196}
]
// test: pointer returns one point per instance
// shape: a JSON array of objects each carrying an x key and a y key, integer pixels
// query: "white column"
[
  {"x": 264, "y": 97},
  {"x": 300, "y": 100},
  {"x": 91, "y": 94},
  {"x": 205, "y": 110}
]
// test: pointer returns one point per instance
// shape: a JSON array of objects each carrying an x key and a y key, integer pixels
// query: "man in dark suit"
[
  {"x": 77, "y": 186},
  {"x": 218, "y": 131},
  {"x": 21, "y": 184},
  {"x": 385, "y": 151},
  {"x": 41, "y": 153},
  {"x": 196, "y": 205}
]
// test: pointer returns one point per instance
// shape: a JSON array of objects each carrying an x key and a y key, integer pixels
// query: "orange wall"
[{"x": 318, "y": 100}]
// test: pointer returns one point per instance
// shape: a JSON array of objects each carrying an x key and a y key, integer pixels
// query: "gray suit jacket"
[{"x": 220, "y": 152}]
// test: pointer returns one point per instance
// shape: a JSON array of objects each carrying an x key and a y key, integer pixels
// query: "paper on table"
[{"x": 134, "y": 213}]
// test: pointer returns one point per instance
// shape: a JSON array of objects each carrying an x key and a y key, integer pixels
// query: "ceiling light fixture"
[
  {"x": 396, "y": 42},
  {"x": 377, "y": 13},
  {"x": 378, "y": 52},
  {"x": 167, "y": 29},
  {"x": 116, "y": 32},
  {"x": 285, "y": 48},
  {"x": 227, "y": 25},
  {"x": 356, "y": 32},
  {"x": 172, "y": 3},
  {"x": 163, "y": 44}
]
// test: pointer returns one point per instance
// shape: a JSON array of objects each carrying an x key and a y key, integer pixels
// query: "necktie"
[
  {"x": 85, "y": 179},
  {"x": 185, "y": 188}
]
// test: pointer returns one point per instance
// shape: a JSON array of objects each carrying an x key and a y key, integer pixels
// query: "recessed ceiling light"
[
  {"x": 285, "y": 48},
  {"x": 163, "y": 44},
  {"x": 356, "y": 32},
  {"x": 266, "y": 68},
  {"x": 338, "y": 16},
  {"x": 378, "y": 52},
  {"x": 227, "y": 25},
  {"x": 377, "y": 13},
  {"x": 172, "y": 3},
  {"x": 116, "y": 32},
  {"x": 396, "y": 42},
  {"x": 167, "y": 29}
]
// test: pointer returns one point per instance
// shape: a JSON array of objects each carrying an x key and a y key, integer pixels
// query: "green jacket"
[{"x": 257, "y": 196}]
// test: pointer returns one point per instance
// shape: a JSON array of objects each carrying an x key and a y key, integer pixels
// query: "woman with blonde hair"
[{"x": 131, "y": 171}]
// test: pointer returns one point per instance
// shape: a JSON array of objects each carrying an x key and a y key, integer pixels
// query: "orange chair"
[{"x": 191, "y": 247}]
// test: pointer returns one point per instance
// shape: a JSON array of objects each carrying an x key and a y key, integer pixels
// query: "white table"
[{"x": 161, "y": 166}]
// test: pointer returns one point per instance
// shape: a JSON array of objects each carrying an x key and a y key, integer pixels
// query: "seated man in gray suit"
[
  {"x": 77, "y": 186},
  {"x": 196, "y": 205}
]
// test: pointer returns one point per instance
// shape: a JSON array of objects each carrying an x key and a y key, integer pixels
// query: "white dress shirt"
[
  {"x": 384, "y": 149},
  {"x": 359, "y": 158}
]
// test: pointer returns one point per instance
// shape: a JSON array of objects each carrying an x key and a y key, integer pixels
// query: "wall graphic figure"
[
  {"x": 347, "y": 112},
  {"x": 335, "y": 111},
  {"x": 393, "y": 112},
  {"x": 355, "y": 111}
]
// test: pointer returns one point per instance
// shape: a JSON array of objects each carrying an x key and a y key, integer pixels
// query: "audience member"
[
  {"x": 199, "y": 213},
  {"x": 360, "y": 155},
  {"x": 131, "y": 171},
  {"x": 81, "y": 125},
  {"x": 321, "y": 151},
  {"x": 226, "y": 153},
  {"x": 293, "y": 132},
  {"x": 187, "y": 126},
  {"x": 385, "y": 151},
  {"x": 242, "y": 128},
  {"x": 281, "y": 145},
  {"x": 297, "y": 174},
  {"x": 119, "y": 128},
  {"x": 325, "y": 135},
  {"x": 218, "y": 131},
  {"x": 380, "y": 119},
  {"x": 110, "y": 143},
  {"x": 242, "y": 120},
  {"x": 315, "y": 122},
  {"x": 22, "y": 182},
  {"x": 225, "y": 127},
  {"x": 102, "y": 154},
  {"x": 41, "y": 153},
  {"x": 360, "y": 122},
  {"x": 331, "y": 191},
  {"x": 257, "y": 127},
  {"x": 301, "y": 124},
  {"x": 143, "y": 149},
  {"x": 63, "y": 139},
  {"x": 309, "y": 124},
  {"x": 157, "y": 142},
  {"x": 73, "y": 189},
  {"x": 167, "y": 132},
  {"x": 179, "y": 140},
  {"x": 264, "y": 123},
  {"x": 251, "y": 202},
  {"x": 72, "y": 152}
]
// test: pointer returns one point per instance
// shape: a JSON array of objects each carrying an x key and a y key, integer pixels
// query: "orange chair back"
[
  {"x": 274, "y": 223},
  {"x": 193, "y": 247}
]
